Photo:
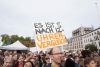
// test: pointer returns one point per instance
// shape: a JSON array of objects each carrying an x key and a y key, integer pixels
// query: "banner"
[{"x": 49, "y": 34}]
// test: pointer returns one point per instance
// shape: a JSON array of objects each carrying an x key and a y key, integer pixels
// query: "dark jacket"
[{"x": 69, "y": 63}]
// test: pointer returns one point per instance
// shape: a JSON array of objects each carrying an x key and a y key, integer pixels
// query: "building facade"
[{"x": 83, "y": 36}]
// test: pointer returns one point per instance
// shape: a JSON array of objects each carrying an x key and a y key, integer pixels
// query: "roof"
[{"x": 15, "y": 46}]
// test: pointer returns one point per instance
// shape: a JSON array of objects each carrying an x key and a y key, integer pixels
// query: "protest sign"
[{"x": 49, "y": 34}]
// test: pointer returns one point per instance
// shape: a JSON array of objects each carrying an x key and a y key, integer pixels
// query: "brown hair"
[
  {"x": 50, "y": 52},
  {"x": 88, "y": 60}
]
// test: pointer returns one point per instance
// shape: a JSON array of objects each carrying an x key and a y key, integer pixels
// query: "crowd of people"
[{"x": 54, "y": 58}]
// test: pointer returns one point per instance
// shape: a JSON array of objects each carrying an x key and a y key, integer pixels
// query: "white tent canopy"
[
  {"x": 1, "y": 41},
  {"x": 15, "y": 46},
  {"x": 33, "y": 49}
]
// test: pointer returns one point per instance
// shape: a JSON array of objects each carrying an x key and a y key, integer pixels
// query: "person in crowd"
[
  {"x": 6, "y": 55},
  {"x": 69, "y": 61},
  {"x": 40, "y": 61},
  {"x": 32, "y": 57},
  {"x": 97, "y": 59},
  {"x": 46, "y": 60},
  {"x": 15, "y": 57},
  {"x": 55, "y": 58},
  {"x": 28, "y": 56},
  {"x": 81, "y": 62},
  {"x": 1, "y": 58},
  {"x": 28, "y": 64},
  {"x": 63, "y": 59},
  {"x": 36, "y": 58},
  {"x": 20, "y": 62},
  {"x": 33, "y": 60},
  {"x": 8, "y": 62},
  {"x": 55, "y": 55},
  {"x": 76, "y": 59},
  {"x": 89, "y": 62},
  {"x": 86, "y": 53}
]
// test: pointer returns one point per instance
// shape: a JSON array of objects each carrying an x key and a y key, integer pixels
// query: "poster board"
[{"x": 49, "y": 34}]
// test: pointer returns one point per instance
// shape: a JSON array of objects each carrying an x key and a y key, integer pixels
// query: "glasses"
[
  {"x": 47, "y": 58},
  {"x": 57, "y": 53}
]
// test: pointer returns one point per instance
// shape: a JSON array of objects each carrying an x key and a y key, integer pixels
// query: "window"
[
  {"x": 84, "y": 36},
  {"x": 78, "y": 39},
  {"x": 77, "y": 46},
  {"x": 87, "y": 35},
  {"x": 81, "y": 46},
  {"x": 88, "y": 40},
  {"x": 72, "y": 39},
  {"x": 92, "y": 33},
  {"x": 97, "y": 38},
  {"x": 81, "y": 42},
  {"x": 98, "y": 32},
  {"x": 94, "y": 42},
  {"x": 84, "y": 41}
]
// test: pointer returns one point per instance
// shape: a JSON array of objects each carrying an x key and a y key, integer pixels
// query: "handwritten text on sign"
[{"x": 49, "y": 35}]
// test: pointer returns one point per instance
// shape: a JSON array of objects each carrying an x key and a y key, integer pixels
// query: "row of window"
[
  {"x": 75, "y": 47},
  {"x": 90, "y": 39},
  {"x": 79, "y": 46},
  {"x": 89, "y": 35},
  {"x": 95, "y": 36},
  {"x": 93, "y": 33},
  {"x": 79, "y": 43},
  {"x": 77, "y": 39}
]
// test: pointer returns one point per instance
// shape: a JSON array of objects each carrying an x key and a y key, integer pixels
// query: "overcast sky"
[{"x": 18, "y": 16}]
